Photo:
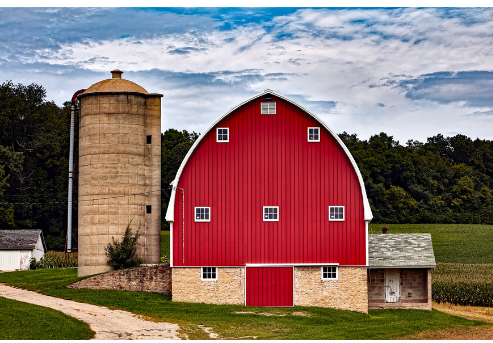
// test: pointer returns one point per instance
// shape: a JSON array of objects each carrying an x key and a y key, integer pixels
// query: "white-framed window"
[
  {"x": 268, "y": 107},
  {"x": 202, "y": 214},
  {"x": 314, "y": 134},
  {"x": 271, "y": 213},
  {"x": 222, "y": 134},
  {"x": 209, "y": 274},
  {"x": 329, "y": 273},
  {"x": 336, "y": 213}
]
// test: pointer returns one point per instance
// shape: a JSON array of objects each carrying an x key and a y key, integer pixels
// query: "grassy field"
[
  {"x": 236, "y": 321},
  {"x": 22, "y": 321},
  {"x": 165, "y": 237},
  {"x": 452, "y": 243}
]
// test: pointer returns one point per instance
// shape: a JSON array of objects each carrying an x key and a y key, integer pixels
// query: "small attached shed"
[
  {"x": 399, "y": 271},
  {"x": 18, "y": 246}
]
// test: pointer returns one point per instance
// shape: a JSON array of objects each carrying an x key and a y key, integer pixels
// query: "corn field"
[{"x": 463, "y": 284}]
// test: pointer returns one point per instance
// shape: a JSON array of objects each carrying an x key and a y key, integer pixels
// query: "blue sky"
[{"x": 412, "y": 73}]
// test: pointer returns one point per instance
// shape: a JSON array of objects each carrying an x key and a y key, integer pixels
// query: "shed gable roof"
[
  {"x": 366, "y": 205},
  {"x": 401, "y": 250},
  {"x": 19, "y": 239}
]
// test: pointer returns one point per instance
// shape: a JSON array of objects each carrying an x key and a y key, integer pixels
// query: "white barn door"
[
  {"x": 392, "y": 285},
  {"x": 10, "y": 259}
]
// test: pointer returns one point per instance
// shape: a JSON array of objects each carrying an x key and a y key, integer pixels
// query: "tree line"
[{"x": 444, "y": 180}]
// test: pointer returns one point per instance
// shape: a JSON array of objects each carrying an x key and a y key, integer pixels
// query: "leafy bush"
[
  {"x": 122, "y": 254},
  {"x": 463, "y": 293},
  {"x": 33, "y": 264}
]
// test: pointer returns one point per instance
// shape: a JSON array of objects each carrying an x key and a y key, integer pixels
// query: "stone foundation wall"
[
  {"x": 229, "y": 288},
  {"x": 145, "y": 279},
  {"x": 349, "y": 292}
]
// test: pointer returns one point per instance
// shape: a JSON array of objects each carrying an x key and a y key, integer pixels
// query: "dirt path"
[
  {"x": 484, "y": 314},
  {"x": 108, "y": 324}
]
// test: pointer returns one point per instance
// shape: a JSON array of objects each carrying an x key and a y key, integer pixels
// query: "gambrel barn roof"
[
  {"x": 20, "y": 239},
  {"x": 170, "y": 216},
  {"x": 401, "y": 251}
]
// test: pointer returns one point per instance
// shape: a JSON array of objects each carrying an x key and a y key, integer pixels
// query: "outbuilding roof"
[
  {"x": 19, "y": 239},
  {"x": 401, "y": 250}
]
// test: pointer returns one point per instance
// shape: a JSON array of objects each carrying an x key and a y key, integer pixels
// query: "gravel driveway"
[{"x": 108, "y": 324}]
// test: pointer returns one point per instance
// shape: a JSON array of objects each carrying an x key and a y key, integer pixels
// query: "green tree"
[
  {"x": 38, "y": 129},
  {"x": 174, "y": 147},
  {"x": 9, "y": 162}
]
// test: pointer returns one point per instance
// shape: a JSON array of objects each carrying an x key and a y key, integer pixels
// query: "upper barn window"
[
  {"x": 267, "y": 108},
  {"x": 314, "y": 134},
  {"x": 202, "y": 214},
  {"x": 336, "y": 213},
  {"x": 222, "y": 135},
  {"x": 271, "y": 213}
]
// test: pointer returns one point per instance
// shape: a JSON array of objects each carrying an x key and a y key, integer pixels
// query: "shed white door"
[
  {"x": 10, "y": 259},
  {"x": 392, "y": 285}
]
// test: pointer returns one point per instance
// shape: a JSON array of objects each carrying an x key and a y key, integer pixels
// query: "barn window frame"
[
  {"x": 336, "y": 217},
  {"x": 206, "y": 213},
  {"x": 329, "y": 273},
  {"x": 314, "y": 134},
  {"x": 276, "y": 213},
  {"x": 268, "y": 107},
  {"x": 208, "y": 274},
  {"x": 220, "y": 136}
]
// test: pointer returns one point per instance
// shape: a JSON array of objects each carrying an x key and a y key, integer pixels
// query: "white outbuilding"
[{"x": 18, "y": 246}]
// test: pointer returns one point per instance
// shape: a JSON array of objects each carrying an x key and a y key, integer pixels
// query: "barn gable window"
[
  {"x": 267, "y": 108},
  {"x": 314, "y": 134},
  {"x": 209, "y": 274},
  {"x": 329, "y": 273},
  {"x": 336, "y": 213},
  {"x": 202, "y": 214},
  {"x": 222, "y": 134},
  {"x": 271, "y": 213}
]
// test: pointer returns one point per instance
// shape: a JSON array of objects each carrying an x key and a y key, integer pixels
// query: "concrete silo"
[{"x": 119, "y": 170}]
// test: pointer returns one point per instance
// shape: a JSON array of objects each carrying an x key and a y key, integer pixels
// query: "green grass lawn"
[
  {"x": 284, "y": 323},
  {"x": 23, "y": 321},
  {"x": 452, "y": 243}
]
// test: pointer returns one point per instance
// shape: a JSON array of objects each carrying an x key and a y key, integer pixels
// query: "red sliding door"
[{"x": 269, "y": 286}]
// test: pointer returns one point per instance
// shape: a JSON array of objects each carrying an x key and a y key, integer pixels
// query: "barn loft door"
[
  {"x": 392, "y": 285},
  {"x": 269, "y": 286}
]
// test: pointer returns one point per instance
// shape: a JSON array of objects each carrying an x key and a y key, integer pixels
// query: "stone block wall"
[
  {"x": 416, "y": 281},
  {"x": 145, "y": 279},
  {"x": 348, "y": 292},
  {"x": 376, "y": 285},
  {"x": 228, "y": 289}
]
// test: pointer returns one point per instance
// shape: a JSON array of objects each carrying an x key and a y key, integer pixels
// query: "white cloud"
[{"x": 356, "y": 58}]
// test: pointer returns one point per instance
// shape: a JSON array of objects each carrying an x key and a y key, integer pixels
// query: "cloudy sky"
[{"x": 412, "y": 73}]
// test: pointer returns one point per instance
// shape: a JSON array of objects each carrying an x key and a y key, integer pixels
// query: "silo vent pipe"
[{"x": 71, "y": 169}]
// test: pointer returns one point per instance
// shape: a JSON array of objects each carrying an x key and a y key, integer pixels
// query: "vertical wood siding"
[
  {"x": 269, "y": 162},
  {"x": 269, "y": 286}
]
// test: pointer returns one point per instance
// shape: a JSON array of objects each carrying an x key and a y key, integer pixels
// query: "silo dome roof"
[{"x": 115, "y": 85}]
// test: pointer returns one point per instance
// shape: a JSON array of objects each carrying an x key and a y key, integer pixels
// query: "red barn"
[{"x": 269, "y": 209}]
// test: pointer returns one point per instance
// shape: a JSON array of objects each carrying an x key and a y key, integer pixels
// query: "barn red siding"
[{"x": 268, "y": 162}]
